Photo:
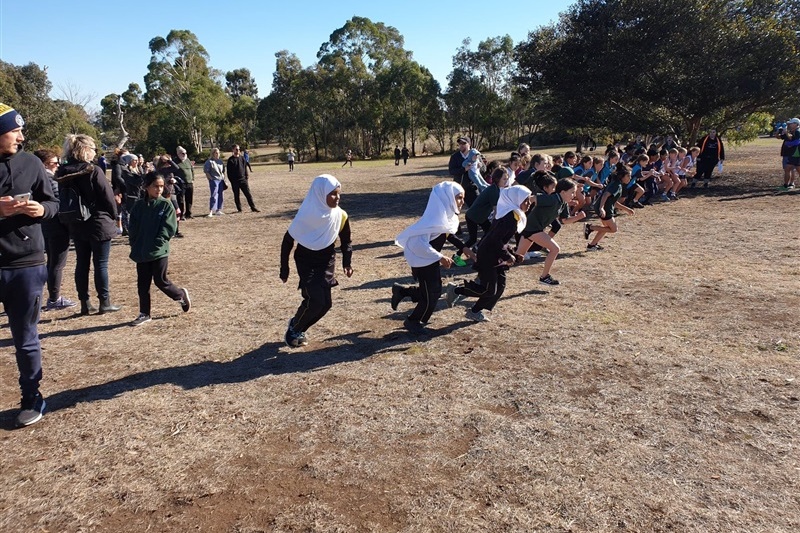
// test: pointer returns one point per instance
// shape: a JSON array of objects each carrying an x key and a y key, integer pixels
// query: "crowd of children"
[{"x": 524, "y": 204}]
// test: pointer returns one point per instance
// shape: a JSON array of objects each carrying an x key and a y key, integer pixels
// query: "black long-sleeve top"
[
  {"x": 493, "y": 248},
  {"x": 314, "y": 263}
]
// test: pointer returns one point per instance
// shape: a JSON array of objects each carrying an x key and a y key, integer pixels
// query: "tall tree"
[
  {"x": 480, "y": 90},
  {"x": 239, "y": 82},
  {"x": 353, "y": 59},
  {"x": 718, "y": 63},
  {"x": 179, "y": 77}
]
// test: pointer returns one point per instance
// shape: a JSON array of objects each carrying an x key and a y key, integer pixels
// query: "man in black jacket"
[
  {"x": 26, "y": 198},
  {"x": 238, "y": 176}
]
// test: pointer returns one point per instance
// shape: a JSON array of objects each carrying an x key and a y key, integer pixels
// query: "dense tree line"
[{"x": 607, "y": 67}]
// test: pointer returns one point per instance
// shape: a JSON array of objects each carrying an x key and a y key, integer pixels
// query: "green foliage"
[
  {"x": 179, "y": 77},
  {"x": 239, "y": 82},
  {"x": 755, "y": 125},
  {"x": 26, "y": 89},
  {"x": 662, "y": 65}
]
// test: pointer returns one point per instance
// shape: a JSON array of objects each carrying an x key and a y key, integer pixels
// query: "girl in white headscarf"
[
  {"x": 318, "y": 223},
  {"x": 495, "y": 255},
  {"x": 422, "y": 244}
]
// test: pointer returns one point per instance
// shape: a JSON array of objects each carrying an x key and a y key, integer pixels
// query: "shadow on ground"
[{"x": 270, "y": 359}]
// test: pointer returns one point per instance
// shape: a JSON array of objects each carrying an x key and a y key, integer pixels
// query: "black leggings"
[
  {"x": 316, "y": 303},
  {"x": 705, "y": 167},
  {"x": 57, "y": 248},
  {"x": 426, "y": 294},
  {"x": 489, "y": 290},
  {"x": 157, "y": 272}
]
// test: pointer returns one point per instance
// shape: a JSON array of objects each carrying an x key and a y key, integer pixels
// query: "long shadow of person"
[{"x": 268, "y": 359}]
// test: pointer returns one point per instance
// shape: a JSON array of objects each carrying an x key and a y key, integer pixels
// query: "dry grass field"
[{"x": 655, "y": 390}]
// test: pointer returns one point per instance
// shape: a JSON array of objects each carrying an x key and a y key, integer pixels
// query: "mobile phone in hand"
[{"x": 24, "y": 197}]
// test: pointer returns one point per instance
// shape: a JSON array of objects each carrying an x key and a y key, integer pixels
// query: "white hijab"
[
  {"x": 440, "y": 216},
  {"x": 510, "y": 200},
  {"x": 316, "y": 225}
]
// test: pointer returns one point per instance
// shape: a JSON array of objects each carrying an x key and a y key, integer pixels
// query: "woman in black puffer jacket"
[{"x": 92, "y": 237}]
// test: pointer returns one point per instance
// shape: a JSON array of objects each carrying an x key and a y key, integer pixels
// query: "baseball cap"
[
  {"x": 794, "y": 121},
  {"x": 464, "y": 140}
]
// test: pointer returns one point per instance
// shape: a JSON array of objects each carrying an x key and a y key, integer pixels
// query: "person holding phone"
[{"x": 24, "y": 202}]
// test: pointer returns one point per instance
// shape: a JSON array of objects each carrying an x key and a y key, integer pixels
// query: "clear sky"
[{"x": 99, "y": 47}]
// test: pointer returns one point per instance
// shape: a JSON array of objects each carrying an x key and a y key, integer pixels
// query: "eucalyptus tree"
[{"x": 180, "y": 78}]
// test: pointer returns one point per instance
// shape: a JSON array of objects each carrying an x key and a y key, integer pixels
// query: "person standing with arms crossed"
[
  {"x": 24, "y": 202},
  {"x": 238, "y": 176}
]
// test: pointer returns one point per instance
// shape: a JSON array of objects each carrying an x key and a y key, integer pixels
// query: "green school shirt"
[{"x": 548, "y": 207}]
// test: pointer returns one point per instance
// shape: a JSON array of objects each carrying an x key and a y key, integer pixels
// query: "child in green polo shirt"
[{"x": 552, "y": 205}]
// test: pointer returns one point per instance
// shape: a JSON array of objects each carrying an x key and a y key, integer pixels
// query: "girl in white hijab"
[
  {"x": 495, "y": 255},
  {"x": 422, "y": 244},
  {"x": 318, "y": 223}
]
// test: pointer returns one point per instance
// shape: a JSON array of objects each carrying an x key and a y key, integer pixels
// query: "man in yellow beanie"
[{"x": 25, "y": 199}]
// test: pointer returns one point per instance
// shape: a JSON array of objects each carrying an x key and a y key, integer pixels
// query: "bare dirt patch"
[{"x": 655, "y": 390}]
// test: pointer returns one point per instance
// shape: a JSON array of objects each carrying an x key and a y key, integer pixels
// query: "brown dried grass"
[{"x": 655, "y": 390}]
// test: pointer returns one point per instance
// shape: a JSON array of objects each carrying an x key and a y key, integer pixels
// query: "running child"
[
  {"x": 551, "y": 205},
  {"x": 608, "y": 205},
  {"x": 422, "y": 244},
  {"x": 151, "y": 225},
  {"x": 495, "y": 256},
  {"x": 315, "y": 227},
  {"x": 481, "y": 212}
]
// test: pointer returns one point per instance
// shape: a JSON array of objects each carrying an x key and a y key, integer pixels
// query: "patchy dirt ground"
[{"x": 655, "y": 390}]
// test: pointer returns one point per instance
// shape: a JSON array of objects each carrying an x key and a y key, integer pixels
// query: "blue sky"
[{"x": 97, "y": 48}]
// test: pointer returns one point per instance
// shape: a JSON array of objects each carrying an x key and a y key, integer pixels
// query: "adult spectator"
[
  {"x": 396, "y": 155},
  {"x": 92, "y": 237},
  {"x": 56, "y": 240},
  {"x": 214, "y": 170},
  {"x": 187, "y": 173},
  {"x": 238, "y": 176},
  {"x": 290, "y": 159},
  {"x": 460, "y": 174},
  {"x": 118, "y": 186},
  {"x": 404, "y": 153},
  {"x": 27, "y": 200},
  {"x": 133, "y": 176},
  {"x": 712, "y": 152}
]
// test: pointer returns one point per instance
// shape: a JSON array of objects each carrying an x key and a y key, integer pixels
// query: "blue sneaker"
[{"x": 31, "y": 410}]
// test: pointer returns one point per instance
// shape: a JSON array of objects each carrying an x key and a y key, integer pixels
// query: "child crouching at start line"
[
  {"x": 495, "y": 255},
  {"x": 422, "y": 244},
  {"x": 315, "y": 227},
  {"x": 151, "y": 225}
]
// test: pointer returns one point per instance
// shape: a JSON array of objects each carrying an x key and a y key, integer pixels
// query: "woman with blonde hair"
[{"x": 92, "y": 232}]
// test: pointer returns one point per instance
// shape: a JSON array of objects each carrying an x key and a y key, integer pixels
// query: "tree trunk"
[{"x": 121, "y": 116}]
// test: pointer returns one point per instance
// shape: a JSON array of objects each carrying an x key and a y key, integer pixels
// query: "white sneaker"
[
  {"x": 476, "y": 317},
  {"x": 531, "y": 255},
  {"x": 210, "y": 215},
  {"x": 218, "y": 213}
]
